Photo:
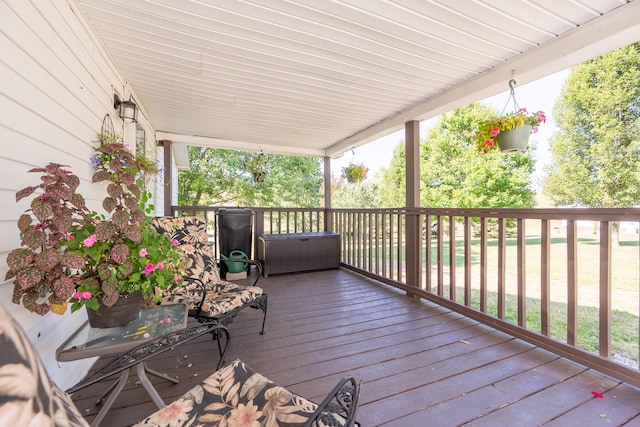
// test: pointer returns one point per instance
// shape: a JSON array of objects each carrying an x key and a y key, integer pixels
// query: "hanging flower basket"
[
  {"x": 513, "y": 129},
  {"x": 355, "y": 173},
  {"x": 510, "y": 132},
  {"x": 257, "y": 166}
]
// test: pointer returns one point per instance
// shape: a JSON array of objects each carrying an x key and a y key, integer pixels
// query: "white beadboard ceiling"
[{"x": 317, "y": 77}]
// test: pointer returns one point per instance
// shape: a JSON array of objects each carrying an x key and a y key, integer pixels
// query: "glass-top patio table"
[{"x": 152, "y": 323}]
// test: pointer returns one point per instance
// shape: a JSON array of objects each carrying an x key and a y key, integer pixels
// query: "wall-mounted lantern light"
[{"x": 128, "y": 110}]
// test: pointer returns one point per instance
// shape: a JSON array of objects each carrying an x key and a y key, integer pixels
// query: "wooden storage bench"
[{"x": 294, "y": 252}]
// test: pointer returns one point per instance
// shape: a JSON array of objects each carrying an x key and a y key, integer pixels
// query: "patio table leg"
[
  {"x": 115, "y": 391},
  {"x": 141, "y": 370}
]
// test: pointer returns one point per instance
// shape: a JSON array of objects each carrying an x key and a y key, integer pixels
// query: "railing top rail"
[
  {"x": 255, "y": 209},
  {"x": 582, "y": 214},
  {"x": 578, "y": 214}
]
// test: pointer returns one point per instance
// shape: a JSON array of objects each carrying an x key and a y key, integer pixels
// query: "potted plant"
[
  {"x": 257, "y": 166},
  {"x": 354, "y": 172},
  {"x": 71, "y": 254},
  {"x": 510, "y": 132}
]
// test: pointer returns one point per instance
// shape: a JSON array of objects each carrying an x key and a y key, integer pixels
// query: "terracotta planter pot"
[
  {"x": 512, "y": 141},
  {"x": 123, "y": 312}
]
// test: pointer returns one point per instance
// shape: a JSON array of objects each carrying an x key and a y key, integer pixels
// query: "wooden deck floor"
[{"x": 420, "y": 364}]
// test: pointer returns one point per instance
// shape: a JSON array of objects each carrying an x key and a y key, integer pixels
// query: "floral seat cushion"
[
  {"x": 27, "y": 396},
  {"x": 221, "y": 297},
  {"x": 238, "y": 396}
]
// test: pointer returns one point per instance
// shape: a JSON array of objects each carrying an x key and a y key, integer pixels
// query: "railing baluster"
[
  {"x": 467, "y": 261},
  {"x": 399, "y": 250},
  {"x": 428, "y": 254},
  {"x": 483, "y": 264},
  {"x": 502, "y": 257},
  {"x": 572, "y": 282},
  {"x": 385, "y": 224},
  {"x": 521, "y": 274},
  {"x": 392, "y": 239},
  {"x": 605, "y": 289},
  {"x": 545, "y": 278},
  {"x": 452, "y": 258},
  {"x": 440, "y": 252}
]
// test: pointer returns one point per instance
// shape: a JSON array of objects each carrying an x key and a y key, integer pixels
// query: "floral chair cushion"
[
  {"x": 201, "y": 273},
  {"x": 238, "y": 396},
  {"x": 27, "y": 396},
  {"x": 197, "y": 254}
]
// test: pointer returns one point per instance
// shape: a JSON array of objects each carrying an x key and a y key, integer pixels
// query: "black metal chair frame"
[{"x": 346, "y": 395}]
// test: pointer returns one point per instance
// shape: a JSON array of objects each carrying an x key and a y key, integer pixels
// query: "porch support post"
[
  {"x": 328, "y": 217},
  {"x": 412, "y": 230},
  {"x": 166, "y": 183}
]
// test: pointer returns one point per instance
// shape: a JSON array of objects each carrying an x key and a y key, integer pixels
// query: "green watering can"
[{"x": 235, "y": 262}]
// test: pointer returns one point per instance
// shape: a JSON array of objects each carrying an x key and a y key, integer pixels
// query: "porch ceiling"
[{"x": 319, "y": 77}]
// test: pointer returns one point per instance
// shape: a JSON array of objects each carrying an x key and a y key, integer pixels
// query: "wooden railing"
[{"x": 554, "y": 277}]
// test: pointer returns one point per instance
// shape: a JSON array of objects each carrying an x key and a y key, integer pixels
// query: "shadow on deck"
[{"x": 420, "y": 364}]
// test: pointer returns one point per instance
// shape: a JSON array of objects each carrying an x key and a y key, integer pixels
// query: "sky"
[{"x": 538, "y": 95}]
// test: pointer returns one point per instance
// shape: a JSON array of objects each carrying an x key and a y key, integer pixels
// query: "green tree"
[
  {"x": 353, "y": 196},
  {"x": 393, "y": 180},
  {"x": 596, "y": 152},
  {"x": 219, "y": 177},
  {"x": 454, "y": 174}
]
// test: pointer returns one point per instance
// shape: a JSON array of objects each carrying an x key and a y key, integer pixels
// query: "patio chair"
[
  {"x": 28, "y": 397},
  {"x": 209, "y": 298}
]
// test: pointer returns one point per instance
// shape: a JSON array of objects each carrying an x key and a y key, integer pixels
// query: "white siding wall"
[{"x": 56, "y": 85}]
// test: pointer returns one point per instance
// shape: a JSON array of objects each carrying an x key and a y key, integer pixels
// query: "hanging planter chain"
[{"x": 512, "y": 96}]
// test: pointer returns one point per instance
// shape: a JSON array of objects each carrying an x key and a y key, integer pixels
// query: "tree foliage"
[
  {"x": 355, "y": 196},
  {"x": 596, "y": 152},
  {"x": 392, "y": 187},
  {"x": 219, "y": 177},
  {"x": 454, "y": 174}
]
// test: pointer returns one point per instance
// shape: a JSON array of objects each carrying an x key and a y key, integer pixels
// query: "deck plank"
[{"x": 420, "y": 363}]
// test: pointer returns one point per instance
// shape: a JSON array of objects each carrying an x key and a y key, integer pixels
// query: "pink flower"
[
  {"x": 488, "y": 143},
  {"x": 167, "y": 320},
  {"x": 177, "y": 278},
  {"x": 174, "y": 242},
  {"x": 494, "y": 131},
  {"x": 96, "y": 221},
  {"x": 89, "y": 241},
  {"x": 148, "y": 269},
  {"x": 69, "y": 237},
  {"x": 146, "y": 335},
  {"x": 82, "y": 295},
  {"x": 160, "y": 266},
  {"x": 143, "y": 252}
]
